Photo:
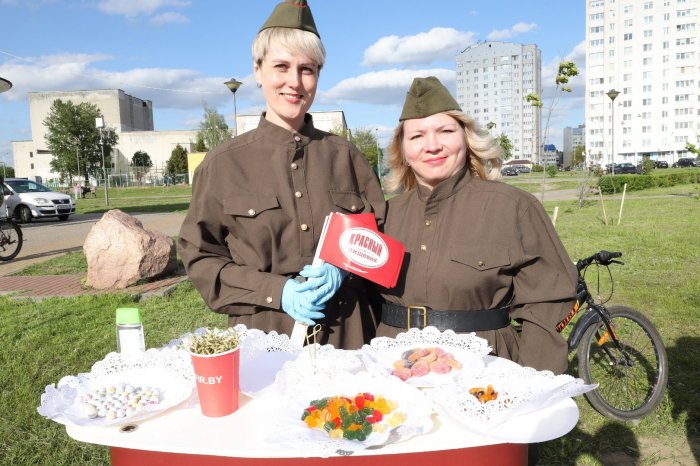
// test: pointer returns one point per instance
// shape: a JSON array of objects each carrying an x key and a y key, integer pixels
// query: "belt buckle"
[{"x": 422, "y": 309}]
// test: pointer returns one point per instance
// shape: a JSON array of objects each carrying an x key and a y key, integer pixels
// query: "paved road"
[{"x": 47, "y": 238}]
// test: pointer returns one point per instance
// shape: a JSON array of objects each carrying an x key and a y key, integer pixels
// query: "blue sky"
[{"x": 178, "y": 53}]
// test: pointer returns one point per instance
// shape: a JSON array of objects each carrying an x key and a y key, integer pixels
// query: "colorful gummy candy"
[{"x": 352, "y": 418}]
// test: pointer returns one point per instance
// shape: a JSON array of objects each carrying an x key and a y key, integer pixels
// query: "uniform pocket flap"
[
  {"x": 482, "y": 257},
  {"x": 249, "y": 206},
  {"x": 348, "y": 201}
]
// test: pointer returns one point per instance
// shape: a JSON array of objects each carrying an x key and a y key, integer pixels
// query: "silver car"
[{"x": 26, "y": 199}]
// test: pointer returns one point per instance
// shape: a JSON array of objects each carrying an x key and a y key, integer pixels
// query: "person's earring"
[{"x": 259, "y": 85}]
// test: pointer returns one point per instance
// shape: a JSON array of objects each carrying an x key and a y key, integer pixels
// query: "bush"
[
  {"x": 613, "y": 184},
  {"x": 537, "y": 168},
  {"x": 552, "y": 171}
]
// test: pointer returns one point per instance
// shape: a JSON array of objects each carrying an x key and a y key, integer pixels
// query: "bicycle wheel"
[
  {"x": 10, "y": 240},
  {"x": 631, "y": 382}
]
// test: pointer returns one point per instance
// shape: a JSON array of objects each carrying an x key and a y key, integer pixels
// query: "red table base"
[{"x": 508, "y": 454}]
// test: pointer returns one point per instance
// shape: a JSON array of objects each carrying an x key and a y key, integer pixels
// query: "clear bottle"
[{"x": 129, "y": 331}]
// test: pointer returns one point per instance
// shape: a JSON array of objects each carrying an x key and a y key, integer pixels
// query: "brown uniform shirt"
[
  {"x": 470, "y": 244},
  {"x": 259, "y": 202}
]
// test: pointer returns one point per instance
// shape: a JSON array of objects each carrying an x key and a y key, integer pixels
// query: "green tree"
[
  {"x": 366, "y": 141},
  {"x": 74, "y": 141},
  {"x": 579, "y": 157},
  {"x": 7, "y": 171},
  {"x": 213, "y": 130},
  {"x": 199, "y": 146},
  {"x": 177, "y": 163},
  {"x": 506, "y": 146},
  {"x": 141, "y": 164},
  {"x": 692, "y": 148}
]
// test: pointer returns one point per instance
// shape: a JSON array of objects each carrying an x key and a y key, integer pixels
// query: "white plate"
[
  {"x": 173, "y": 391},
  {"x": 167, "y": 369},
  {"x": 288, "y": 429},
  {"x": 382, "y": 361}
]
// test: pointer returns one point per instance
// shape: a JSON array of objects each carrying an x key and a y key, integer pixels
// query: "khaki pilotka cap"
[
  {"x": 427, "y": 96},
  {"x": 292, "y": 14}
]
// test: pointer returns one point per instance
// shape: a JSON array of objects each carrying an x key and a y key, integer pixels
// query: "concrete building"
[
  {"x": 129, "y": 116},
  {"x": 573, "y": 138},
  {"x": 333, "y": 121},
  {"x": 648, "y": 52},
  {"x": 493, "y": 80}
]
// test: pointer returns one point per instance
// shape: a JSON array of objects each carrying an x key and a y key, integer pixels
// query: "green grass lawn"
[{"x": 45, "y": 340}]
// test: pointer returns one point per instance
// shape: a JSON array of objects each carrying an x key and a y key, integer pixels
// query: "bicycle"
[
  {"x": 617, "y": 348},
  {"x": 10, "y": 239}
]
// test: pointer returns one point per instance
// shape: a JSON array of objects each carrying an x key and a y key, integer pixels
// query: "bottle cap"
[{"x": 128, "y": 315}]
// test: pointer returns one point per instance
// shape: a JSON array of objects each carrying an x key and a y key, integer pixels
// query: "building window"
[
  {"x": 31, "y": 155},
  {"x": 627, "y": 36},
  {"x": 646, "y": 47},
  {"x": 31, "y": 165}
]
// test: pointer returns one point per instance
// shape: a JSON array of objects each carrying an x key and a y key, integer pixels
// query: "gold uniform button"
[
  {"x": 423, "y": 247},
  {"x": 294, "y": 166},
  {"x": 353, "y": 208},
  {"x": 428, "y": 223},
  {"x": 304, "y": 227},
  {"x": 268, "y": 299},
  {"x": 251, "y": 212},
  {"x": 298, "y": 194},
  {"x": 480, "y": 263},
  {"x": 297, "y": 138}
]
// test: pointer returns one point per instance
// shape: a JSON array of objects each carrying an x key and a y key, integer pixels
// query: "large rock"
[{"x": 120, "y": 252}]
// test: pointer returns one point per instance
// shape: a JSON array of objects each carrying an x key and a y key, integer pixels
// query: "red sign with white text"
[{"x": 353, "y": 242}]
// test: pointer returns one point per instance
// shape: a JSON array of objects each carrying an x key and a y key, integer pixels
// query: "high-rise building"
[
  {"x": 573, "y": 138},
  {"x": 493, "y": 81},
  {"x": 646, "y": 52}
]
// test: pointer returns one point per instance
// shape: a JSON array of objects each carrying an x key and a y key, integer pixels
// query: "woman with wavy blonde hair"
[{"x": 479, "y": 252}]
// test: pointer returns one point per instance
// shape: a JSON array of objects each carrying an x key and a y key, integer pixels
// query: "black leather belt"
[{"x": 399, "y": 316}]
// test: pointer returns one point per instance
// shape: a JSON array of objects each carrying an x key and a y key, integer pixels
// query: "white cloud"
[
  {"x": 518, "y": 28},
  {"x": 169, "y": 18},
  {"x": 386, "y": 87},
  {"x": 132, "y": 8},
  {"x": 165, "y": 87},
  {"x": 427, "y": 47}
]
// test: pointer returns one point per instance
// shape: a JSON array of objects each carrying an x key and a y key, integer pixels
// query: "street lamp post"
[
  {"x": 100, "y": 124},
  {"x": 233, "y": 86},
  {"x": 612, "y": 93},
  {"x": 5, "y": 85}
]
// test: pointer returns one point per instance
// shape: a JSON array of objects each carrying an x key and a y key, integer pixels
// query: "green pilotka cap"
[
  {"x": 295, "y": 14},
  {"x": 427, "y": 96}
]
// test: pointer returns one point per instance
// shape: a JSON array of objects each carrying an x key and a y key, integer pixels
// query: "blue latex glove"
[
  {"x": 298, "y": 302},
  {"x": 326, "y": 279}
]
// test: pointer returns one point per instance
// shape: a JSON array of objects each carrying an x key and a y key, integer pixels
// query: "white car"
[{"x": 26, "y": 199}]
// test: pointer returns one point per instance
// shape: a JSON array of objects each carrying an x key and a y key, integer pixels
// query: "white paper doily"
[
  {"x": 313, "y": 365},
  {"x": 291, "y": 431},
  {"x": 168, "y": 369},
  {"x": 521, "y": 390},
  {"x": 468, "y": 349}
]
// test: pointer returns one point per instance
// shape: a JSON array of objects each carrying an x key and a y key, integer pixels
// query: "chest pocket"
[
  {"x": 481, "y": 258},
  {"x": 348, "y": 201},
  {"x": 249, "y": 206}
]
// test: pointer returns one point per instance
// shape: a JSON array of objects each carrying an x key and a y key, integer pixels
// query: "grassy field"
[{"x": 46, "y": 340}]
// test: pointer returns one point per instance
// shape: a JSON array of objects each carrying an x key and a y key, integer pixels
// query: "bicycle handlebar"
[{"x": 601, "y": 257}]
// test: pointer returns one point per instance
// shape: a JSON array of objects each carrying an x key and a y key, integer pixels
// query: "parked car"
[
  {"x": 509, "y": 171},
  {"x": 683, "y": 162},
  {"x": 26, "y": 199},
  {"x": 522, "y": 168},
  {"x": 625, "y": 168},
  {"x": 661, "y": 164}
]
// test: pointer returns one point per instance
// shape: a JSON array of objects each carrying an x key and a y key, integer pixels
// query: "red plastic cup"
[{"x": 217, "y": 377}]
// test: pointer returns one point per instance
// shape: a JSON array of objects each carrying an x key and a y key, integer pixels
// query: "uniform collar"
[
  {"x": 284, "y": 136},
  {"x": 445, "y": 188}
]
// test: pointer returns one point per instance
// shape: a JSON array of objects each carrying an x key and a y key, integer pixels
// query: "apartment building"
[
  {"x": 573, "y": 138},
  {"x": 642, "y": 65},
  {"x": 493, "y": 80}
]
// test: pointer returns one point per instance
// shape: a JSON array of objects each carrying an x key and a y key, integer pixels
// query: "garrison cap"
[
  {"x": 294, "y": 14},
  {"x": 427, "y": 96}
]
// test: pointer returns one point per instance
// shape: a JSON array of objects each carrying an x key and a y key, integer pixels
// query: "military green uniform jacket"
[
  {"x": 259, "y": 202},
  {"x": 471, "y": 244}
]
